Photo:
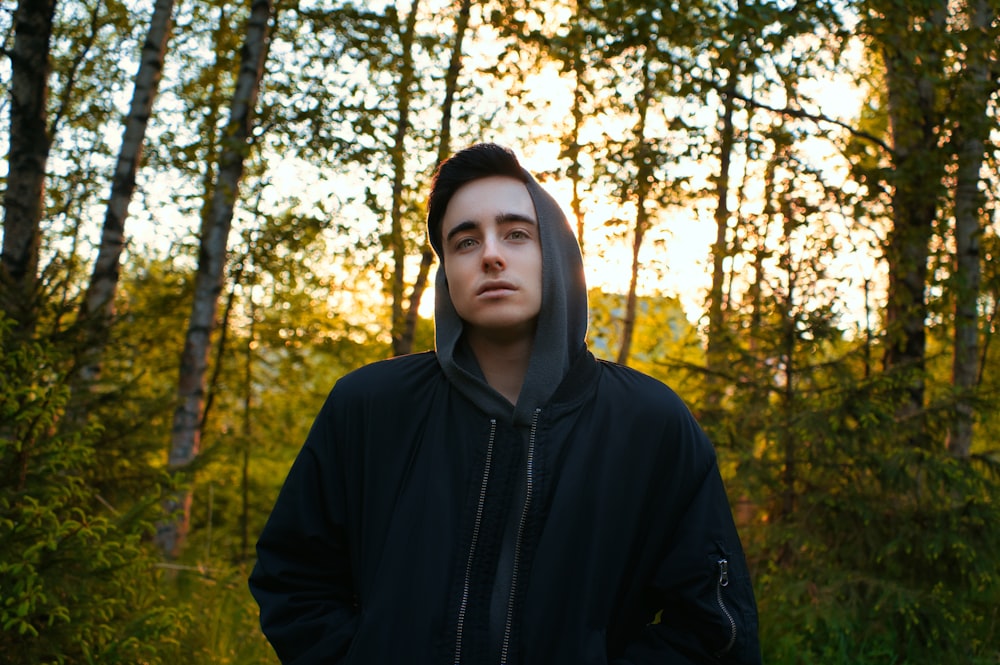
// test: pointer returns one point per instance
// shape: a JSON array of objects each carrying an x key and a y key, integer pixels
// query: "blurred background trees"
[{"x": 788, "y": 213}]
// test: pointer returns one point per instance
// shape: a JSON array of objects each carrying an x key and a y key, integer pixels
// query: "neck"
[{"x": 504, "y": 361}]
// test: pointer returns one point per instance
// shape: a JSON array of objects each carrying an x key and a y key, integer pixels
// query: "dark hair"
[{"x": 480, "y": 160}]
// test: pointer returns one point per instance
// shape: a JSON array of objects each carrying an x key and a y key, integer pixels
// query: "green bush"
[
  {"x": 891, "y": 554},
  {"x": 77, "y": 584},
  {"x": 226, "y": 630}
]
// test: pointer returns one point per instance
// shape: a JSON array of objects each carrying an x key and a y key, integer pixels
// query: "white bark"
[
  {"x": 98, "y": 306},
  {"x": 973, "y": 130},
  {"x": 186, "y": 434},
  {"x": 26, "y": 159}
]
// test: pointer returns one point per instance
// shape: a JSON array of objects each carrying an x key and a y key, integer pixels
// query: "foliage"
[
  {"x": 132, "y": 403},
  {"x": 869, "y": 544},
  {"x": 665, "y": 344},
  {"x": 226, "y": 630},
  {"x": 889, "y": 554},
  {"x": 866, "y": 549},
  {"x": 77, "y": 584}
]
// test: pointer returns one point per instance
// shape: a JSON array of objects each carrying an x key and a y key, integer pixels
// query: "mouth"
[{"x": 495, "y": 288}]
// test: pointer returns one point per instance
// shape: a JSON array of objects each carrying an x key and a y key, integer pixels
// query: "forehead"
[{"x": 488, "y": 198}]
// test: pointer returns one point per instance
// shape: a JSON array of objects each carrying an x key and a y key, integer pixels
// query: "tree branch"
[{"x": 793, "y": 112}]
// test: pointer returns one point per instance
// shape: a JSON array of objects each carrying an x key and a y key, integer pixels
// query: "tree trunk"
[
  {"x": 248, "y": 435},
  {"x": 186, "y": 434},
  {"x": 755, "y": 292},
  {"x": 444, "y": 149},
  {"x": 715, "y": 354},
  {"x": 913, "y": 73},
  {"x": 397, "y": 242},
  {"x": 789, "y": 440},
  {"x": 644, "y": 178},
  {"x": 27, "y": 156},
  {"x": 98, "y": 306},
  {"x": 573, "y": 149},
  {"x": 973, "y": 128}
]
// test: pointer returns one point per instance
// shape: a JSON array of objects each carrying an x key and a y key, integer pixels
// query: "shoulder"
[
  {"x": 628, "y": 386},
  {"x": 648, "y": 411},
  {"x": 385, "y": 393},
  {"x": 403, "y": 376}
]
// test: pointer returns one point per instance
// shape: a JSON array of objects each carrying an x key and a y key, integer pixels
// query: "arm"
[
  {"x": 702, "y": 587},
  {"x": 303, "y": 579}
]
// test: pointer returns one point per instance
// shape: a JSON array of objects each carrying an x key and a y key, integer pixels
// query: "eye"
[
  {"x": 519, "y": 234},
  {"x": 465, "y": 243}
]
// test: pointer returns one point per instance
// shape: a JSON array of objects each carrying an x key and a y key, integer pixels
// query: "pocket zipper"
[{"x": 722, "y": 583}]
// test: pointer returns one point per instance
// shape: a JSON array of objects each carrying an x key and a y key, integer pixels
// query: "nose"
[{"x": 492, "y": 256}]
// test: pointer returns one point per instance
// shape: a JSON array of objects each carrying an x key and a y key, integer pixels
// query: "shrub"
[{"x": 77, "y": 584}]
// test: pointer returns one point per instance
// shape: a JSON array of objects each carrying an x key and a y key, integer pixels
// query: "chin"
[{"x": 504, "y": 327}]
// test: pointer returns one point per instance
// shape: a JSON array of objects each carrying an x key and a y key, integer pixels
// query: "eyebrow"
[{"x": 502, "y": 218}]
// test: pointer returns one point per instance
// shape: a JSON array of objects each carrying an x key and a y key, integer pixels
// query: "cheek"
[
  {"x": 458, "y": 281},
  {"x": 457, "y": 273}
]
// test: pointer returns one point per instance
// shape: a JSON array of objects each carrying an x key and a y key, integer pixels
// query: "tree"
[
  {"x": 971, "y": 132},
  {"x": 644, "y": 178},
  {"x": 27, "y": 156},
  {"x": 750, "y": 42},
  {"x": 186, "y": 435},
  {"x": 732, "y": 63},
  {"x": 98, "y": 304},
  {"x": 909, "y": 41},
  {"x": 397, "y": 155},
  {"x": 636, "y": 162}
]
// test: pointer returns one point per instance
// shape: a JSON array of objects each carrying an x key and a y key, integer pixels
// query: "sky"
[{"x": 676, "y": 256}]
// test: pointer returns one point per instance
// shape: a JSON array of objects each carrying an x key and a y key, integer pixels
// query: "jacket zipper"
[
  {"x": 464, "y": 605},
  {"x": 529, "y": 486},
  {"x": 724, "y": 582}
]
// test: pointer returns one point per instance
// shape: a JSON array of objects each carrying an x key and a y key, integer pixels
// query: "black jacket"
[
  {"x": 427, "y": 520},
  {"x": 384, "y": 542}
]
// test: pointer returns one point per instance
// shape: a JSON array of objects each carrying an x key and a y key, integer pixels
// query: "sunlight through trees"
[{"x": 214, "y": 209}]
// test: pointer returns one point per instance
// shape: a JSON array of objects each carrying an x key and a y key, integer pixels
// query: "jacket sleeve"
[
  {"x": 302, "y": 579},
  {"x": 707, "y": 612}
]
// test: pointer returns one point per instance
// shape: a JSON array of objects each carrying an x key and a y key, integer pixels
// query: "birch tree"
[
  {"x": 760, "y": 54},
  {"x": 972, "y": 129},
  {"x": 27, "y": 156},
  {"x": 637, "y": 75},
  {"x": 186, "y": 434},
  {"x": 98, "y": 305}
]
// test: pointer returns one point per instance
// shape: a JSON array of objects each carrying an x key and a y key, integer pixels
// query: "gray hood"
[{"x": 562, "y": 322}]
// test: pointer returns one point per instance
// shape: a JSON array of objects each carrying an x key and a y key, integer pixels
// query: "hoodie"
[{"x": 562, "y": 321}]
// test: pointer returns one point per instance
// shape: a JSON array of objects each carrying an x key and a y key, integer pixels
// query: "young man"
[{"x": 507, "y": 498}]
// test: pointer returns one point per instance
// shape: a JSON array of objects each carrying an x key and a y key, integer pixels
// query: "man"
[{"x": 507, "y": 498}]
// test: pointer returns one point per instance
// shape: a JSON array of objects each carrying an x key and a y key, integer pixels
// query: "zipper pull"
[{"x": 723, "y": 572}]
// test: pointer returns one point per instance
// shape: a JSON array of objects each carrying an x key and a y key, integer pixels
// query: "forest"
[{"x": 213, "y": 209}]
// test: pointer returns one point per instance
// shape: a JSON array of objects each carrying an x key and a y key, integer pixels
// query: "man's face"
[{"x": 493, "y": 257}]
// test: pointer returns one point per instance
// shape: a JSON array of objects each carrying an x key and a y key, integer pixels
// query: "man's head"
[
  {"x": 481, "y": 160},
  {"x": 535, "y": 285}
]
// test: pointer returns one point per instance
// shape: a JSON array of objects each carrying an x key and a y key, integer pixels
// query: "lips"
[{"x": 495, "y": 288}]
